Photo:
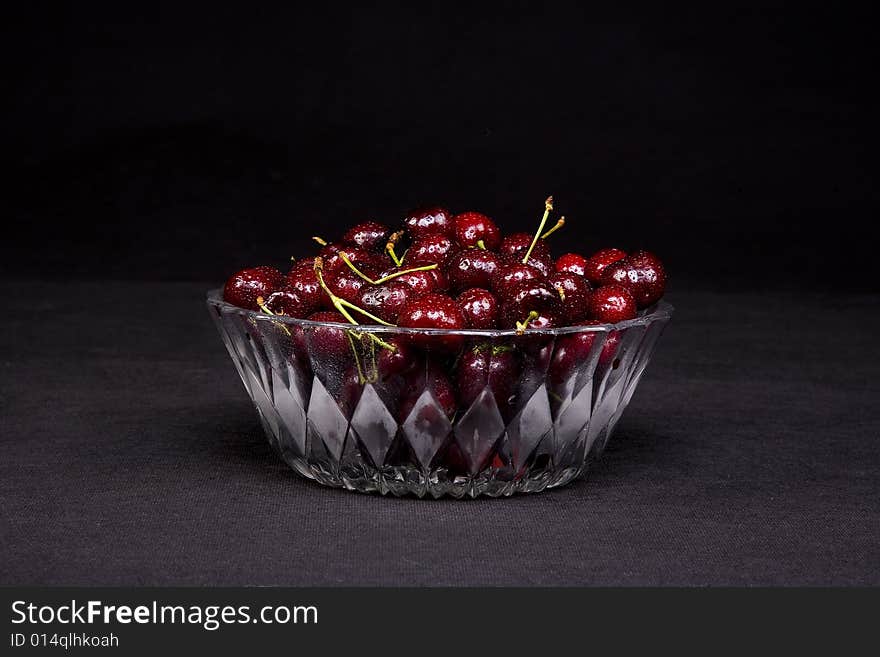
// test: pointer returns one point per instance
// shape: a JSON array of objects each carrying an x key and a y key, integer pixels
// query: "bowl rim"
[{"x": 660, "y": 311}]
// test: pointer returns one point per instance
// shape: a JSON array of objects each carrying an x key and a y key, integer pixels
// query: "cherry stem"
[
  {"x": 357, "y": 361},
  {"x": 319, "y": 240},
  {"x": 548, "y": 205},
  {"x": 561, "y": 292},
  {"x": 481, "y": 245},
  {"x": 261, "y": 302},
  {"x": 522, "y": 326},
  {"x": 559, "y": 224},
  {"x": 392, "y": 241},
  {"x": 339, "y": 303},
  {"x": 384, "y": 279}
]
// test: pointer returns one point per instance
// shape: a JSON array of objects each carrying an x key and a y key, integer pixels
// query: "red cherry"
[
  {"x": 369, "y": 235},
  {"x": 386, "y": 300},
  {"x": 575, "y": 348},
  {"x": 485, "y": 366},
  {"x": 288, "y": 302},
  {"x": 510, "y": 273},
  {"x": 346, "y": 284},
  {"x": 333, "y": 261},
  {"x": 544, "y": 321},
  {"x": 327, "y": 342},
  {"x": 642, "y": 274},
  {"x": 479, "y": 307},
  {"x": 433, "y": 311},
  {"x": 243, "y": 287},
  {"x": 526, "y": 297},
  {"x": 473, "y": 227},
  {"x": 395, "y": 362},
  {"x": 517, "y": 244},
  {"x": 434, "y": 379},
  {"x": 422, "y": 282},
  {"x": 574, "y": 293},
  {"x": 612, "y": 303},
  {"x": 429, "y": 220},
  {"x": 350, "y": 391},
  {"x": 571, "y": 262},
  {"x": 428, "y": 249},
  {"x": 472, "y": 268},
  {"x": 513, "y": 251},
  {"x": 597, "y": 262},
  {"x": 302, "y": 280}
]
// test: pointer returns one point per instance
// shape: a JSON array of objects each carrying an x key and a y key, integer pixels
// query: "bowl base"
[{"x": 435, "y": 484}]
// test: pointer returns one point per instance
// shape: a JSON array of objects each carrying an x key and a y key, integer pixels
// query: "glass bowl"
[{"x": 475, "y": 413}]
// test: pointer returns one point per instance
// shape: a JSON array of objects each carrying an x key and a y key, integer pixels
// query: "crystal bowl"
[{"x": 335, "y": 416}]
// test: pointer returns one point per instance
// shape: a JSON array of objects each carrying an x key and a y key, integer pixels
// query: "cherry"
[
  {"x": 433, "y": 311},
  {"x": 350, "y": 391},
  {"x": 302, "y": 280},
  {"x": 642, "y": 274},
  {"x": 574, "y": 294},
  {"x": 530, "y": 297},
  {"x": 571, "y": 262},
  {"x": 479, "y": 308},
  {"x": 512, "y": 272},
  {"x": 611, "y": 304},
  {"x": 243, "y": 287},
  {"x": 485, "y": 365},
  {"x": 385, "y": 300},
  {"x": 429, "y": 220},
  {"x": 299, "y": 347},
  {"x": 334, "y": 262},
  {"x": 345, "y": 284},
  {"x": 422, "y": 282},
  {"x": 327, "y": 341},
  {"x": 369, "y": 235},
  {"x": 516, "y": 245},
  {"x": 575, "y": 348},
  {"x": 430, "y": 248},
  {"x": 433, "y": 378},
  {"x": 397, "y": 361},
  {"x": 472, "y": 268},
  {"x": 476, "y": 230},
  {"x": 542, "y": 321},
  {"x": 288, "y": 302},
  {"x": 597, "y": 262}
]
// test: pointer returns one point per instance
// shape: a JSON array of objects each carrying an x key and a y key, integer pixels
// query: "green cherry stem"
[
  {"x": 548, "y": 205},
  {"x": 481, "y": 245},
  {"x": 559, "y": 224},
  {"x": 384, "y": 279},
  {"x": 319, "y": 240},
  {"x": 339, "y": 303},
  {"x": 522, "y": 326},
  {"x": 357, "y": 361},
  {"x": 261, "y": 302}
]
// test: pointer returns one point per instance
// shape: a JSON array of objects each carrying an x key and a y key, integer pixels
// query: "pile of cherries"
[
  {"x": 445, "y": 271},
  {"x": 454, "y": 272}
]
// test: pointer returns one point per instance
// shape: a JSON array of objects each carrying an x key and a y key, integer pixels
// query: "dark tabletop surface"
[{"x": 131, "y": 455}]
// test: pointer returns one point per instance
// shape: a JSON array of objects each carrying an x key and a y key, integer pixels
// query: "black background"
[{"x": 174, "y": 143}]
